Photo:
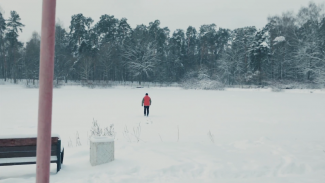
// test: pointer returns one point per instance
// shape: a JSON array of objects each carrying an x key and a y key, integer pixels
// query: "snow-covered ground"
[{"x": 256, "y": 135}]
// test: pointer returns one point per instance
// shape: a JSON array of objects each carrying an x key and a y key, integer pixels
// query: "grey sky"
[{"x": 175, "y": 14}]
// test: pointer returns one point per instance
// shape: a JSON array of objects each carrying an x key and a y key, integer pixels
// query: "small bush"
[
  {"x": 97, "y": 130},
  {"x": 135, "y": 135},
  {"x": 287, "y": 85},
  {"x": 203, "y": 84},
  {"x": 276, "y": 89}
]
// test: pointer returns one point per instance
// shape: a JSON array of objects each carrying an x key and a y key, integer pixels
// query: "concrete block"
[{"x": 101, "y": 150}]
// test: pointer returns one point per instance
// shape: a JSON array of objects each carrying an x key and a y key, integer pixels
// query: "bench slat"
[
  {"x": 22, "y": 148},
  {"x": 22, "y": 154},
  {"x": 16, "y": 161},
  {"x": 27, "y": 163},
  {"x": 23, "y": 142}
]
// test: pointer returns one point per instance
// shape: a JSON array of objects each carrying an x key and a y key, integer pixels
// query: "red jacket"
[{"x": 146, "y": 101}]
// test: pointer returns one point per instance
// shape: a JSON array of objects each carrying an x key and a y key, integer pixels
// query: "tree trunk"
[
  {"x": 260, "y": 72},
  {"x": 15, "y": 79}
]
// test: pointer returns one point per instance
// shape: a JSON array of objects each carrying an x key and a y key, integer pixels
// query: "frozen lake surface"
[{"x": 255, "y": 135}]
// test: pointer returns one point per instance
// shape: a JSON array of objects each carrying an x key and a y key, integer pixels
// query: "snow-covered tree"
[
  {"x": 259, "y": 51},
  {"x": 79, "y": 27},
  {"x": 107, "y": 28},
  {"x": 105, "y": 59},
  {"x": 32, "y": 57},
  {"x": 140, "y": 59},
  {"x": 3, "y": 69},
  {"x": 13, "y": 48},
  {"x": 63, "y": 59},
  {"x": 310, "y": 51},
  {"x": 124, "y": 30},
  {"x": 190, "y": 59}
]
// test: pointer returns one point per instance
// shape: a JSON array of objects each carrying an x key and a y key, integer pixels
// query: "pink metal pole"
[{"x": 45, "y": 92}]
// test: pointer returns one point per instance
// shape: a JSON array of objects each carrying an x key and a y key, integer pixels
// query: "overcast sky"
[{"x": 174, "y": 14}]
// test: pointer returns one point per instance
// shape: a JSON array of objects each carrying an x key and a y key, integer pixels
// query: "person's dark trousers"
[{"x": 146, "y": 108}]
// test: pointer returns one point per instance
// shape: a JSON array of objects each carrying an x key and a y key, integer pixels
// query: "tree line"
[{"x": 290, "y": 47}]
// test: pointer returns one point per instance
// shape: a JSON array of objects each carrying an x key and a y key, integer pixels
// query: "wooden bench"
[{"x": 22, "y": 151}]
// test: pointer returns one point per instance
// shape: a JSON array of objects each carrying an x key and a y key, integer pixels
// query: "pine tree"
[
  {"x": 32, "y": 58},
  {"x": 79, "y": 28},
  {"x": 3, "y": 65},
  {"x": 63, "y": 60},
  {"x": 190, "y": 60},
  {"x": 107, "y": 28},
  {"x": 14, "y": 26},
  {"x": 259, "y": 52}
]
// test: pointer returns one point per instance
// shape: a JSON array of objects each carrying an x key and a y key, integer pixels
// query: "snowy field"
[{"x": 257, "y": 136}]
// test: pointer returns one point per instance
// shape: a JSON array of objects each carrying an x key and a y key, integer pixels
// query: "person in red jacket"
[{"x": 146, "y": 101}]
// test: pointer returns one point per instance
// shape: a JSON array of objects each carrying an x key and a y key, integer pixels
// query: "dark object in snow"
[
  {"x": 25, "y": 150},
  {"x": 146, "y": 108}
]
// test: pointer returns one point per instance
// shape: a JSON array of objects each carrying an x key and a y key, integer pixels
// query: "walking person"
[{"x": 146, "y": 101}]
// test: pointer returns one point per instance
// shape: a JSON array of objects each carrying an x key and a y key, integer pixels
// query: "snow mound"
[
  {"x": 264, "y": 44},
  {"x": 205, "y": 84},
  {"x": 279, "y": 39}
]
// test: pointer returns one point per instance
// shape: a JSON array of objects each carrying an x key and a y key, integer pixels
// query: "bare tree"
[
  {"x": 140, "y": 59},
  {"x": 310, "y": 49},
  {"x": 105, "y": 60},
  {"x": 85, "y": 69}
]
